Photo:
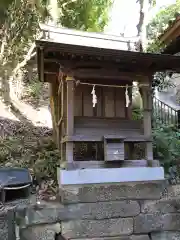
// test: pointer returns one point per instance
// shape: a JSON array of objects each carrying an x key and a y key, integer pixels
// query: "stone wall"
[{"x": 110, "y": 212}]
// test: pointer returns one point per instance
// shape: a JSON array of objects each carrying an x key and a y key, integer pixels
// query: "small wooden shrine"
[{"x": 91, "y": 82}]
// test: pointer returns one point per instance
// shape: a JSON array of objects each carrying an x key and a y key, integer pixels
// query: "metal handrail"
[
  {"x": 156, "y": 99},
  {"x": 165, "y": 113}
]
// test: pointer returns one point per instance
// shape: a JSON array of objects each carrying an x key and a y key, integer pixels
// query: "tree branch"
[
  {"x": 4, "y": 42},
  {"x": 27, "y": 57}
]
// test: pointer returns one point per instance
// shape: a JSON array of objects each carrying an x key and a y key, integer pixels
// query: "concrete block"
[
  {"x": 103, "y": 210},
  {"x": 132, "y": 237},
  {"x": 165, "y": 236},
  {"x": 97, "y": 228},
  {"x": 41, "y": 214},
  {"x": 111, "y": 192},
  {"x": 40, "y": 232},
  {"x": 160, "y": 206},
  {"x": 109, "y": 175},
  {"x": 46, "y": 214},
  {"x": 7, "y": 225},
  {"x": 171, "y": 191},
  {"x": 145, "y": 223}
]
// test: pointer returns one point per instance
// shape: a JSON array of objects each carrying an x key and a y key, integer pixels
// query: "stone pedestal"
[
  {"x": 113, "y": 211},
  {"x": 100, "y": 209},
  {"x": 109, "y": 175}
]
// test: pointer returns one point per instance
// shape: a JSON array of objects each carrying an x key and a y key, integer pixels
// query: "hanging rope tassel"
[
  {"x": 94, "y": 97},
  {"x": 127, "y": 97}
]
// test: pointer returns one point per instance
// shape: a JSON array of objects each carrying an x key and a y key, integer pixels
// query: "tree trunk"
[{"x": 141, "y": 27}]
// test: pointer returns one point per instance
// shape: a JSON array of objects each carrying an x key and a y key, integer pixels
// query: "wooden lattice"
[{"x": 85, "y": 151}]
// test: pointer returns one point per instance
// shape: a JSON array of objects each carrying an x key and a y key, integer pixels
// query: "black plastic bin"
[{"x": 15, "y": 183}]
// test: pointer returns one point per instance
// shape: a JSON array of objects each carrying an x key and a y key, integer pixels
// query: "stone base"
[
  {"x": 109, "y": 175},
  {"x": 110, "y": 192}
]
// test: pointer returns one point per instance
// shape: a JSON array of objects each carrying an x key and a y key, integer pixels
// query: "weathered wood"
[
  {"x": 147, "y": 106},
  {"x": 87, "y": 101},
  {"x": 129, "y": 108},
  {"x": 41, "y": 67},
  {"x": 116, "y": 164},
  {"x": 60, "y": 108},
  {"x": 54, "y": 108},
  {"x": 109, "y": 102},
  {"x": 98, "y": 70},
  {"x": 96, "y": 129},
  {"x": 70, "y": 117},
  {"x": 120, "y": 102},
  {"x": 113, "y": 150},
  {"x": 74, "y": 64},
  {"x": 78, "y": 101},
  {"x": 103, "y": 122},
  {"x": 99, "y": 138},
  {"x": 100, "y": 102}
]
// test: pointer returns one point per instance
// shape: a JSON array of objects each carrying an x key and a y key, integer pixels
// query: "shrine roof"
[
  {"x": 87, "y": 39},
  {"x": 171, "y": 32},
  {"x": 64, "y": 44}
]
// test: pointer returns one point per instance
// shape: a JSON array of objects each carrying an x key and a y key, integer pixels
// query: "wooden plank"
[
  {"x": 54, "y": 110},
  {"x": 70, "y": 118},
  {"x": 147, "y": 106},
  {"x": 106, "y": 122},
  {"x": 115, "y": 164},
  {"x": 62, "y": 126},
  {"x": 113, "y": 151},
  {"x": 114, "y": 157},
  {"x": 120, "y": 103},
  {"x": 118, "y": 133},
  {"x": 99, "y": 94},
  {"x": 78, "y": 101},
  {"x": 87, "y": 101},
  {"x": 109, "y": 105},
  {"x": 98, "y": 138}
]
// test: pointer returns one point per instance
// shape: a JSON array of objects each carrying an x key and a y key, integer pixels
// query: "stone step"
[
  {"x": 111, "y": 192},
  {"x": 171, "y": 191},
  {"x": 153, "y": 222},
  {"x": 166, "y": 236},
  {"x": 40, "y": 232},
  {"x": 132, "y": 237},
  {"x": 97, "y": 228},
  {"x": 165, "y": 205},
  {"x": 91, "y": 211}
]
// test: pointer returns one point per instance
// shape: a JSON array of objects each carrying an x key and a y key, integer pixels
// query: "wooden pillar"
[
  {"x": 129, "y": 108},
  {"x": 53, "y": 106},
  {"x": 70, "y": 118},
  {"x": 146, "y": 93}
]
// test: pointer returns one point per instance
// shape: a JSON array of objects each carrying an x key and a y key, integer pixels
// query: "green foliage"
[
  {"x": 162, "y": 20},
  {"x": 137, "y": 114},
  {"x": 166, "y": 145},
  {"x": 34, "y": 88},
  {"x": 154, "y": 29},
  {"x": 161, "y": 81},
  {"x": 166, "y": 141},
  {"x": 39, "y": 155},
  {"x": 88, "y": 15},
  {"x": 159, "y": 24},
  {"x": 18, "y": 31},
  {"x": 19, "y": 25}
]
